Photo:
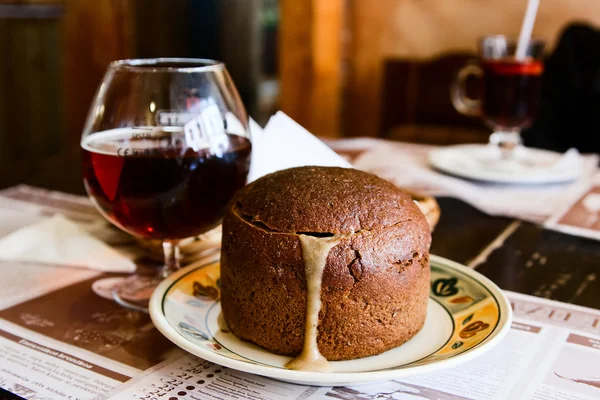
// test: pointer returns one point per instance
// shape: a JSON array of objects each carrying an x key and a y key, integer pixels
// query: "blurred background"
[{"x": 341, "y": 68}]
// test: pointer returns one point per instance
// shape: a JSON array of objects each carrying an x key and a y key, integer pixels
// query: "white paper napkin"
[
  {"x": 286, "y": 144},
  {"x": 59, "y": 241},
  {"x": 406, "y": 165},
  {"x": 14, "y": 219}
]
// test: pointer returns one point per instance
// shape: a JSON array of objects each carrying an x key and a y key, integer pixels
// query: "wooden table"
[
  {"x": 518, "y": 256},
  {"x": 529, "y": 259}
]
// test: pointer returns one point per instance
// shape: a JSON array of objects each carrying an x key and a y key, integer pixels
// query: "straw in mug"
[{"x": 527, "y": 28}]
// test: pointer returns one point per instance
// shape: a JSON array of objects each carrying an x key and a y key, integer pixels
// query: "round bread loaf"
[{"x": 375, "y": 282}]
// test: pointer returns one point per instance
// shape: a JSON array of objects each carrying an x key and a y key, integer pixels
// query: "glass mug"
[
  {"x": 165, "y": 147},
  {"x": 511, "y": 89}
]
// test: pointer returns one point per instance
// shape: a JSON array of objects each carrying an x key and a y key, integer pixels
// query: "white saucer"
[
  {"x": 530, "y": 166},
  {"x": 467, "y": 316}
]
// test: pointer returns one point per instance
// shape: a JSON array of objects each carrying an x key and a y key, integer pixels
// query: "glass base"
[{"x": 134, "y": 292}]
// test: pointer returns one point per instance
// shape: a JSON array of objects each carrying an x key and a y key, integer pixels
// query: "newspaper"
[
  {"x": 552, "y": 352},
  {"x": 62, "y": 337},
  {"x": 581, "y": 215}
]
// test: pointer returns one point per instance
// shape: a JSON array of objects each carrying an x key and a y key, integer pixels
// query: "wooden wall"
[
  {"x": 29, "y": 87},
  {"x": 54, "y": 54},
  {"x": 376, "y": 30},
  {"x": 94, "y": 34},
  {"x": 311, "y": 51},
  {"x": 30, "y": 121}
]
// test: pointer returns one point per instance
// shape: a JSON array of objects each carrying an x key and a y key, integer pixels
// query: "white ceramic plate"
[
  {"x": 480, "y": 162},
  {"x": 467, "y": 316}
]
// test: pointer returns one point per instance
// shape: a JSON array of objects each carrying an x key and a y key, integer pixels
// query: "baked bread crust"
[{"x": 375, "y": 284}]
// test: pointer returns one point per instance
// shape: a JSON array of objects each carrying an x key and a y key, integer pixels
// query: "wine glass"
[
  {"x": 165, "y": 147},
  {"x": 511, "y": 90}
]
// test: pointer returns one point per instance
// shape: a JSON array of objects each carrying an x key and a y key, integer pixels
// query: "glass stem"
[
  {"x": 507, "y": 142},
  {"x": 172, "y": 256}
]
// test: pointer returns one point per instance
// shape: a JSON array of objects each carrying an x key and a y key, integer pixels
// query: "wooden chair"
[{"x": 416, "y": 104}]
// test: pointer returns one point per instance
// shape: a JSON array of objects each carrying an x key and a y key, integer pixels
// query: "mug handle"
[{"x": 458, "y": 93}]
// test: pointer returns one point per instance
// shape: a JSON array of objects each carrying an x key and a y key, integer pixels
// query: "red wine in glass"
[
  {"x": 152, "y": 187},
  {"x": 166, "y": 145},
  {"x": 511, "y": 93}
]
